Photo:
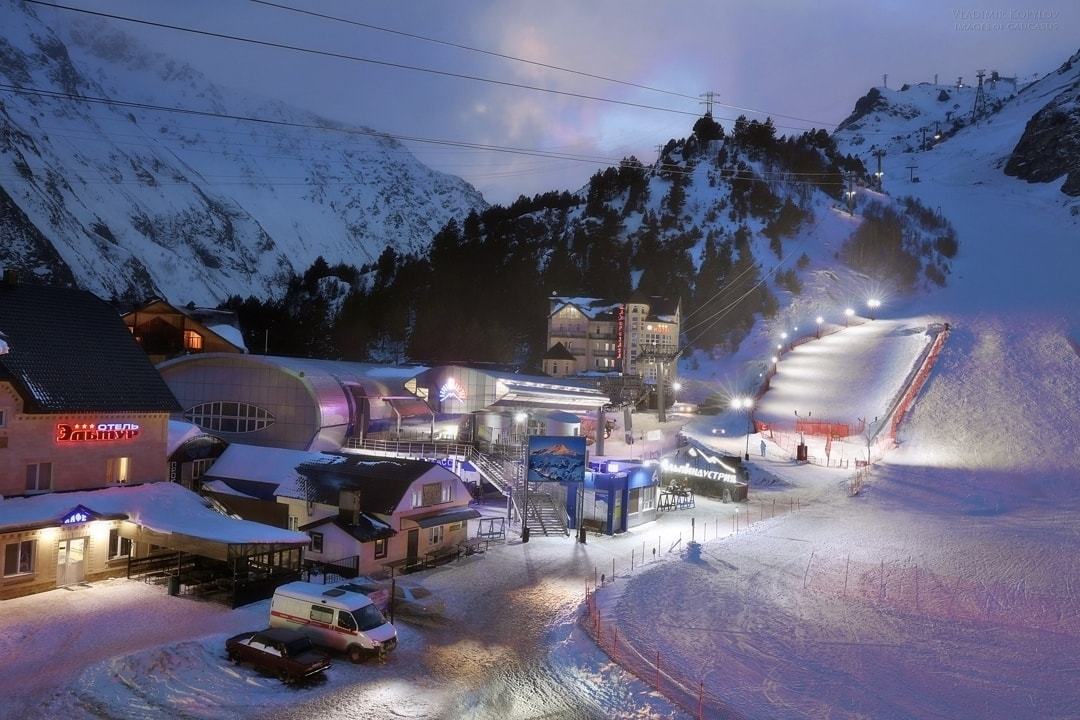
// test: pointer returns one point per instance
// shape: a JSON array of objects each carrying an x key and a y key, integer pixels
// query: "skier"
[{"x": 762, "y": 448}]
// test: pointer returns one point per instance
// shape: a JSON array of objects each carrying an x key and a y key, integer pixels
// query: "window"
[
  {"x": 19, "y": 558},
  {"x": 193, "y": 340},
  {"x": 199, "y": 467},
  {"x": 436, "y": 534},
  {"x": 119, "y": 547},
  {"x": 118, "y": 470},
  {"x": 345, "y": 621},
  {"x": 316, "y": 542},
  {"x": 447, "y": 492},
  {"x": 431, "y": 494},
  {"x": 380, "y": 548},
  {"x": 322, "y": 615},
  {"x": 39, "y": 477},
  {"x": 235, "y": 417},
  {"x": 294, "y": 522}
]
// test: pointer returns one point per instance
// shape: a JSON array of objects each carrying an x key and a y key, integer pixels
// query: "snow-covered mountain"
[
  {"x": 128, "y": 200},
  {"x": 1027, "y": 130}
]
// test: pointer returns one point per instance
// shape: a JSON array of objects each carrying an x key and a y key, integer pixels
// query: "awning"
[{"x": 444, "y": 517}]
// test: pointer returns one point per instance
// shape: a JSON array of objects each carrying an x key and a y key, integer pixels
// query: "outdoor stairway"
[{"x": 545, "y": 516}]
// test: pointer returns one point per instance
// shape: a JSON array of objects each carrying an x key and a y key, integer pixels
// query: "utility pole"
[
  {"x": 850, "y": 194},
  {"x": 979, "y": 109},
  {"x": 935, "y": 78},
  {"x": 707, "y": 99},
  {"x": 659, "y": 155},
  {"x": 879, "y": 153},
  {"x": 923, "y": 146},
  {"x": 885, "y": 80},
  {"x": 661, "y": 378}
]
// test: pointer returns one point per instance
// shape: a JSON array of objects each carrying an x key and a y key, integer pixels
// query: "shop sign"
[
  {"x": 685, "y": 469},
  {"x": 96, "y": 432},
  {"x": 77, "y": 515}
]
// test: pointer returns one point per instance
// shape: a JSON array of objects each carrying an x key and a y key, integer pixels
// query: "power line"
[
  {"x": 537, "y": 63},
  {"x": 782, "y": 177},
  {"x": 482, "y": 51},
  {"x": 399, "y": 66},
  {"x": 357, "y": 58}
]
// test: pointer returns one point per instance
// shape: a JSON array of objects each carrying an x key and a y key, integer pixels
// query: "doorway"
[
  {"x": 70, "y": 561},
  {"x": 414, "y": 544}
]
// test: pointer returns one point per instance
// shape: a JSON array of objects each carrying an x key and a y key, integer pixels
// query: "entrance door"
[
  {"x": 70, "y": 561},
  {"x": 414, "y": 544}
]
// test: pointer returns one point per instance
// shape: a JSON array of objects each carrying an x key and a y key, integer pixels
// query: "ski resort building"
[
  {"x": 593, "y": 335},
  {"x": 362, "y": 513},
  {"x": 166, "y": 331},
  {"x": 83, "y": 441},
  {"x": 295, "y": 403}
]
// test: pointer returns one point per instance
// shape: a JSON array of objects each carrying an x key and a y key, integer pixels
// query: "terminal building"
[{"x": 588, "y": 336}]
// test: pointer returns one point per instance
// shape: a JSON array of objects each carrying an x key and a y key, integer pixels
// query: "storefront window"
[
  {"x": 19, "y": 558},
  {"x": 119, "y": 547},
  {"x": 117, "y": 470}
]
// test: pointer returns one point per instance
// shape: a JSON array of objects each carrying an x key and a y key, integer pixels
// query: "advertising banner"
[{"x": 556, "y": 459}]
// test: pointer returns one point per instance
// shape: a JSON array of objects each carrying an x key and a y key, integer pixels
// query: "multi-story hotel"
[{"x": 592, "y": 335}]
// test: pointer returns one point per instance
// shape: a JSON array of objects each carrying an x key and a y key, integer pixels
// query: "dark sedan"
[{"x": 286, "y": 654}]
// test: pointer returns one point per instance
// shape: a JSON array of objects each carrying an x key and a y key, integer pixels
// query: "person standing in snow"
[{"x": 762, "y": 448}]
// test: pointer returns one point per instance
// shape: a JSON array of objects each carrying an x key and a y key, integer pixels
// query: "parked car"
[
  {"x": 287, "y": 654},
  {"x": 409, "y": 598},
  {"x": 334, "y": 618}
]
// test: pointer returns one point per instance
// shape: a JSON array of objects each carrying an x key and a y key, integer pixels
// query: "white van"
[{"x": 334, "y": 618}]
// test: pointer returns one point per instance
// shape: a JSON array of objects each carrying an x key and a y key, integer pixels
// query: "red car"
[{"x": 286, "y": 654}]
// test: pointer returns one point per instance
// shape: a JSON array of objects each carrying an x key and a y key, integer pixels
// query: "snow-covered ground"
[
  {"x": 948, "y": 587},
  {"x": 854, "y": 373},
  {"x": 510, "y": 646}
]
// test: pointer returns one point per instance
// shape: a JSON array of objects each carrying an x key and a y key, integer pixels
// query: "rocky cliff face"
[
  {"x": 1050, "y": 146},
  {"x": 129, "y": 200}
]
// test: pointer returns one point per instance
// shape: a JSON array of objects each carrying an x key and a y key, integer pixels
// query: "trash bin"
[
  {"x": 174, "y": 585},
  {"x": 582, "y": 534},
  {"x": 524, "y": 533},
  {"x": 800, "y": 453}
]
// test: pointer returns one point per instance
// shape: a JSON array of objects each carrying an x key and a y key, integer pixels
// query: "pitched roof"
[
  {"x": 382, "y": 481},
  {"x": 367, "y": 529},
  {"x": 70, "y": 352},
  {"x": 558, "y": 351}
]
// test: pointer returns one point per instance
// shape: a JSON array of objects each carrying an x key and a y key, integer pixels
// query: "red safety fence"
[{"x": 916, "y": 385}]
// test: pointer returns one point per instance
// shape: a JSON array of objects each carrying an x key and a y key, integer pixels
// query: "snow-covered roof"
[
  {"x": 592, "y": 308},
  {"x": 179, "y": 433},
  {"x": 276, "y": 466},
  {"x": 230, "y": 333},
  {"x": 161, "y": 507}
]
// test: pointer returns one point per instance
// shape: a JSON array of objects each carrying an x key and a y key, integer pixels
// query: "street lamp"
[
  {"x": 873, "y": 304},
  {"x": 675, "y": 388},
  {"x": 746, "y": 404},
  {"x": 819, "y": 320},
  {"x": 775, "y": 359},
  {"x": 848, "y": 314}
]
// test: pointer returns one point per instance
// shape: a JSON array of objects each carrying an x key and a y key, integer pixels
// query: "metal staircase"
[{"x": 545, "y": 515}]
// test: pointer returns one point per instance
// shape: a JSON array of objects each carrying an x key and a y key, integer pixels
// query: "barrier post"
[
  {"x": 701, "y": 700},
  {"x": 658, "y": 671},
  {"x": 632, "y": 551},
  {"x": 614, "y": 640}
]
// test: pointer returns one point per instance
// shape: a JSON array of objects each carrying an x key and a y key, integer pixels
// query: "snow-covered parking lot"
[{"x": 509, "y": 647}]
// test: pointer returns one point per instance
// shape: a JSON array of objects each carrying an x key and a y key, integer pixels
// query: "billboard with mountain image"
[{"x": 556, "y": 459}]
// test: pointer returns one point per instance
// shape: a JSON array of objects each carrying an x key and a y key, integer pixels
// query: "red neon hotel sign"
[{"x": 96, "y": 432}]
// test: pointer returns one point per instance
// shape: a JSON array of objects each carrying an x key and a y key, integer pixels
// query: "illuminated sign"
[
  {"x": 451, "y": 390},
  {"x": 78, "y": 514},
  {"x": 96, "y": 432},
  {"x": 620, "y": 331},
  {"x": 685, "y": 469}
]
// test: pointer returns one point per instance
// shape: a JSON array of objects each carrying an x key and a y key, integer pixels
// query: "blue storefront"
[{"x": 615, "y": 496}]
